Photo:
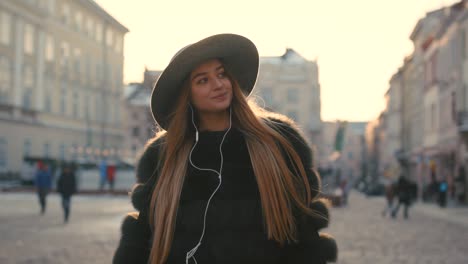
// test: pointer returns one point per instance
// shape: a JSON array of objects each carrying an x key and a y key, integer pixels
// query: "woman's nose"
[{"x": 218, "y": 83}]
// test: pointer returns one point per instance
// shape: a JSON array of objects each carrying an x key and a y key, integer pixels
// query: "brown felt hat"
[{"x": 238, "y": 54}]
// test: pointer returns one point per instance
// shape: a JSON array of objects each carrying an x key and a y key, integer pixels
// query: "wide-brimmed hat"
[{"x": 237, "y": 53}]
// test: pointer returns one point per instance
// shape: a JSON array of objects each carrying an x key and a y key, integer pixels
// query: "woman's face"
[{"x": 211, "y": 89}]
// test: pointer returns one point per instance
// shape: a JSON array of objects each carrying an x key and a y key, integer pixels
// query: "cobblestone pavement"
[
  {"x": 430, "y": 236},
  {"x": 363, "y": 235},
  {"x": 91, "y": 235}
]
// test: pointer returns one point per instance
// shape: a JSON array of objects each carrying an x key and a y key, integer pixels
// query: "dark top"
[
  {"x": 406, "y": 190},
  {"x": 66, "y": 184},
  {"x": 235, "y": 229}
]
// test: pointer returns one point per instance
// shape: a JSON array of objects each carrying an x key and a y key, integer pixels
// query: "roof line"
[{"x": 92, "y": 4}]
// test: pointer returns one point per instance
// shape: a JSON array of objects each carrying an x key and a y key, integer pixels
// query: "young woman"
[{"x": 225, "y": 182}]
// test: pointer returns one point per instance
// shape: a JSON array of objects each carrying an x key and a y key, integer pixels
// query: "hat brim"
[{"x": 238, "y": 54}]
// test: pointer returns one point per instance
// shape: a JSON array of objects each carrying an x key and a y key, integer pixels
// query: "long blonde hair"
[{"x": 280, "y": 188}]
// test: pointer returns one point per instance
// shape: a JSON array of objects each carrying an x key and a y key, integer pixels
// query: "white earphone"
[{"x": 191, "y": 253}]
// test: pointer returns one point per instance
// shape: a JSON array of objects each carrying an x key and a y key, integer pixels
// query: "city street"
[
  {"x": 431, "y": 235},
  {"x": 91, "y": 235}
]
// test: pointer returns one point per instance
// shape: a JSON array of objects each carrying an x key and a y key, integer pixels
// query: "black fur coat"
[{"x": 235, "y": 228}]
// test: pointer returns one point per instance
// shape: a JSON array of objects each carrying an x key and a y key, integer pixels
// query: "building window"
[
  {"x": 117, "y": 113},
  {"x": 28, "y": 77},
  {"x": 77, "y": 57},
  {"x": 433, "y": 117},
  {"x": 109, "y": 37},
  {"x": 3, "y": 153},
  {"x": 46, "y": 150},
  {"x": 42, "y": 4},
  {"x": 47, "y": 94},
  {"x": 118, "y": 44},
  {"x": 110, "y": 113},
  {"x": 65, "y": 54},
  {"x": 90, "y": 27},
  {"x": 50, "y": 52},
  {"x": 5, "y": 79},
  {"x": 62, "y": 152},
  {"x": 135, "y": 131},
  {"x": 74, "y": 151},
  {"x": 99, "y": 74},
  {"x": 63, "y": 99},
  {"x": 5, "y": 28},
  {"x": 47, "y": 103},
  {"x": 75, "y": 105},
  {"x": 293, "y": 95},
  {"x": 32, "y": 2},
  {"x": 109, "y": 76},
  {"x": 27, "y": 148},
  {"x": 431, "y": 70},
  {"x": 28, "y": 44},
  {"x": 78, "y": 21},
  {"x": 65, "y": 16},
  {"x": 118, "y": 79},
  {"x": 51, "y": 6},
  {"x": 28, "y": 85},
  {"x": 27, "y": 99},
  {"x": 99, "y": 108},
  {"x": 86, "y": 108},
  {"x": 98, "y": 32},
  {"x": 87, "y": 65}
]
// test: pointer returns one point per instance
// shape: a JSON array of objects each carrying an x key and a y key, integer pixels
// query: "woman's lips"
[{"x": 220, "y": 97}]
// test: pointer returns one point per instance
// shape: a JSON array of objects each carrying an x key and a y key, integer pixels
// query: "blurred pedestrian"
[
  {"x": 389, "y": 197},
  {"x": 66, "y": 186},
  {"x": 405, "y": 191},
  {"x": 227, "y": 182},
  {"x": 442, "y": 193},
  {"x": 460, "y": 183},
  {"x": 43, "y": 183},
  {"x": 111, "y": 176}
]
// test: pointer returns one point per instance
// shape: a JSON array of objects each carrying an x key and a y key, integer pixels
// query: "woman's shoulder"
[
  {"x": 277, "y": 119},
  {"x": 292, "y": 133},
  {"x": 149, "y": 157},
  {"x": 146, "y": 171},
  {"x": 286, "y": 127},
  {"x": 155, "y": 142}
]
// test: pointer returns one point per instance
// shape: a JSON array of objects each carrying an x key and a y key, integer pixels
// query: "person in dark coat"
[
  {"x": 406, "y": 193},
  {"x": 43, "y": 183},
  {"x": 224, "y": 181},
  {"x": 66, "y": 186}
]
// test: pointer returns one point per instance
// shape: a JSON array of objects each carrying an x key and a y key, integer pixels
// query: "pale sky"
[{"x": 358, "y": 44}]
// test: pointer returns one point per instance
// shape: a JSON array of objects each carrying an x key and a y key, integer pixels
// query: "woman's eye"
[
  {"x": 221, "y": 74},
  {"x": 202, "y": 80}
]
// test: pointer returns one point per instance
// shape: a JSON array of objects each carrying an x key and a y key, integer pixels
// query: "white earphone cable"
[{"x": 191, "y": 253}]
